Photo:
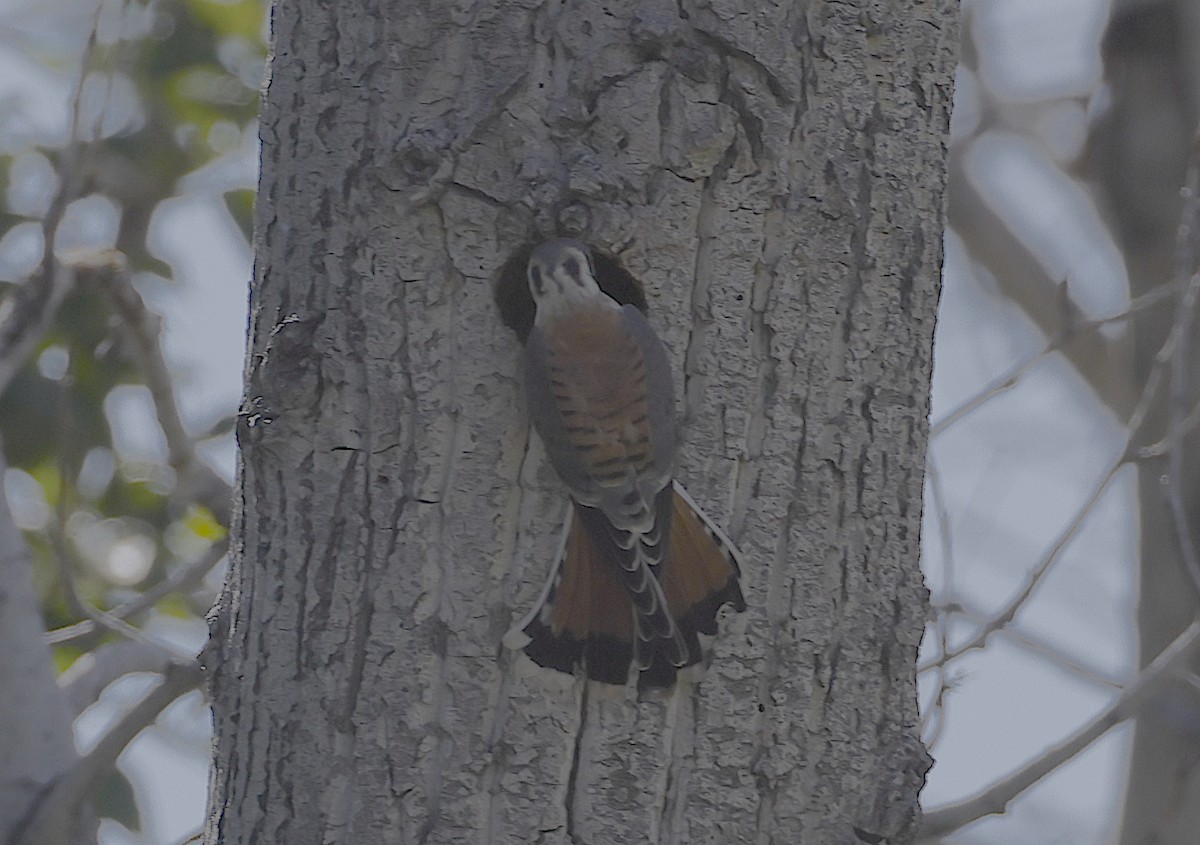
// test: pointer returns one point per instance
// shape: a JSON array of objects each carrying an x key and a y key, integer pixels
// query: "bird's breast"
[{"x": 598, "y": 380}]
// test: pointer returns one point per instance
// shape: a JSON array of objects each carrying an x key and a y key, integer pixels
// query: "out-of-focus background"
[{"x": 129, "y": 139}]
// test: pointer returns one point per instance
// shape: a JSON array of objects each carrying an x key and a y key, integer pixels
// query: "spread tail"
[{"x": 586, "y": 616}]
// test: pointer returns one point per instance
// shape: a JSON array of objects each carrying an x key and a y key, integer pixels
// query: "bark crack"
[{"x": 577, "y": 753}]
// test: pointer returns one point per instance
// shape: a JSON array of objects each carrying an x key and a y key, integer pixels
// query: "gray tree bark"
[
  {"x": 1140, "y": 153},
  {"x": 774, "y": 175},
  {"x": 38, "y": 746}
]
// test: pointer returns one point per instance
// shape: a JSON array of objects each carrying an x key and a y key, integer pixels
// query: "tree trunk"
[
  {"x": 774, "y": 176},
  {"x": 1141, "y": 149},
  {"x": 35, "y": 720}
]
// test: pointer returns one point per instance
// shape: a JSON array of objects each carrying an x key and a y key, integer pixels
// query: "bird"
[{"x": 641, "y": 570}]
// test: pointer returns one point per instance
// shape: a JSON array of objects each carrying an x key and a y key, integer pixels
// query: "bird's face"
[{"x": 561, "y": 275}]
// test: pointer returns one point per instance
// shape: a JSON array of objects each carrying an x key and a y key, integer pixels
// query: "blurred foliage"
[
  {"x": 168, "y": 89},
  {"x": 113, "y": 799}
]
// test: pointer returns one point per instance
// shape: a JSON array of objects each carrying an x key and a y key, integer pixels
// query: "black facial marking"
[
  {"x": 514, "y": 291},
  {"x": 571, "y": 266},
  {"x": 536, "y": 281}
]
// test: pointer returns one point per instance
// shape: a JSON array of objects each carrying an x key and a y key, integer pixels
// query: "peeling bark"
[{"x": 774, "y": 175}]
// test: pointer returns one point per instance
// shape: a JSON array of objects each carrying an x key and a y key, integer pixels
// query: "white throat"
[
  {"x": 550, "y": 308},
  {"x": 561, "y": 280}
]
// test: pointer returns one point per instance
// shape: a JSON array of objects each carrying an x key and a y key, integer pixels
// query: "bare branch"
[
  {"x": 26, "y": 314},
  {"x": 50, "y": 820},
  {"x": 936, "y": 708},
  {"x": 183, "y": 578},
  {"x": 35, "y": 721},
  {"x": 88, "y": 676},
  {"x": 195, "y": 478},
  {"x": 1156, "y": 450},
  {"x": 995, "y": 799},
  {"x": 1136, "y": 419},
  {"x": 1024, "y": 280},
  {"x": 1192, "y": 679},
  {"x": 65, "y": 556},
  {"x": 1035, "y": 645},
  {"x": 1188, "y": 283},
  {"x": 999, "y": 385},
  {"x": 1180, "y": 372},
  {"x": 1034, "y": 577},
  {"x": 29, "y": 310},
  {"x": 1010, "y": 379}
]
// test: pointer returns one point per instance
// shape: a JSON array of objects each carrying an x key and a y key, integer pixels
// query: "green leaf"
[
  {"x": 65, "y": 656},
  {"x": 27, "y": 410},
  {"x": 244, "y": 18},
  {"x": 112, "y": 797},
  {"x": 241, "y": 208},
  {"x": 175, "y": 606},
  {"x": 46, "y": 474},
  {"x": 201, "y": 522}
]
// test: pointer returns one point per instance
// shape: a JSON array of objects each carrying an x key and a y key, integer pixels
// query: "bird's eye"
[
  {"x": 571, "y": 265},
  {"x": 535, "y": 281}
]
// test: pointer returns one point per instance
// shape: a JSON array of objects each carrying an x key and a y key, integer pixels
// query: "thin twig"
[
  {"x": 1033, "y": 644},
  {"x": 1156, "y": 450},
  {"x": 50, "y": 820},
  {"x": 29, "y": 310},
  {"x": 112, "y": 623},
  {"x": 1013, "y": 376},
  {"x": 1180, "y": 373},
  {"x": 65, "y": 556},
  {"x": 191, "y": 838},
  {"x": 937, "y": 707},
  {"x": 183, "y": 578},
  {"x": 941, "y": 821},
  {"x": 195, "y": 478},
  {"x": 1136, "y": 419},
  {"x": 1032, "y": 579},
  {"x": 87, "y": 677},
  {"x": 997, "y": 386},
  {"x": 1188, "y": 284}
]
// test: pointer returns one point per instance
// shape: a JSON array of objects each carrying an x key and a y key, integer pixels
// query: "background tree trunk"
[
  {"x": 775, "y": 178},
  {"x": 35, "y": 719},
  {"x": 1140, "y": 152}
]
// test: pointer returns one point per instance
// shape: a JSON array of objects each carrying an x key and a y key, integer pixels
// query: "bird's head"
[{"x": 561, "y": 274}]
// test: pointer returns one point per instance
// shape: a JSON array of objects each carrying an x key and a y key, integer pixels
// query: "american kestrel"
[{"x": 641, "y": 570}]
